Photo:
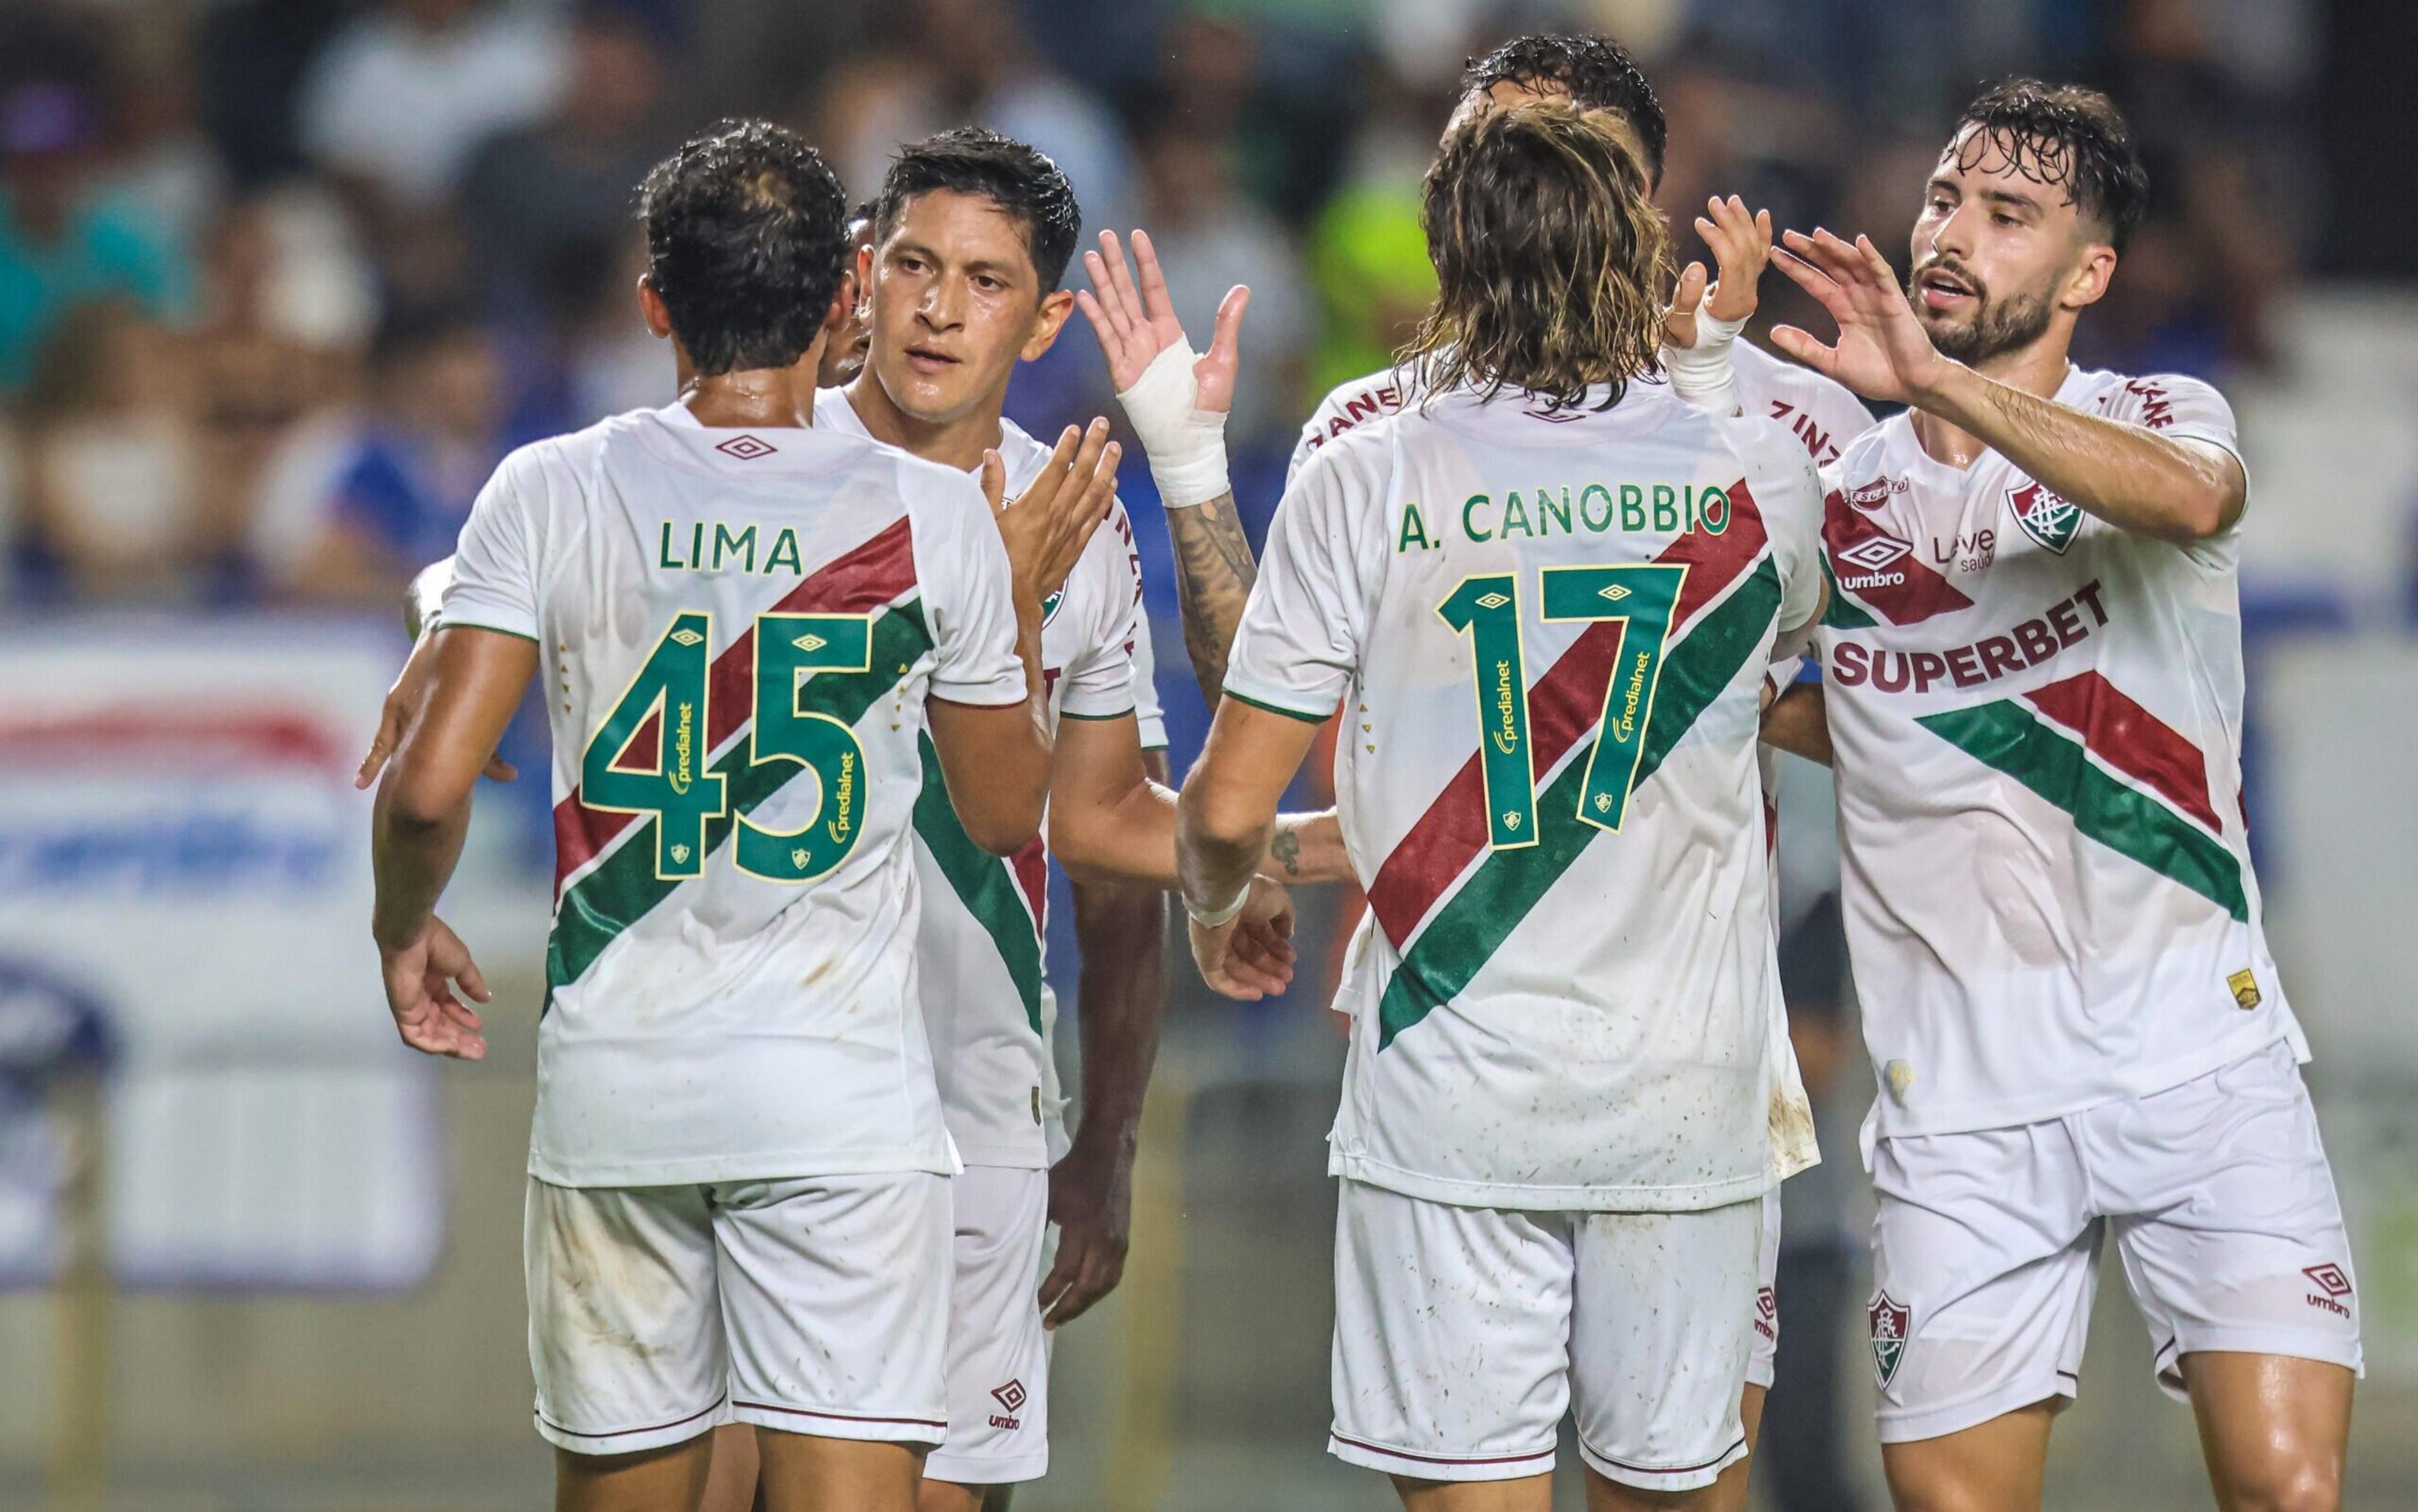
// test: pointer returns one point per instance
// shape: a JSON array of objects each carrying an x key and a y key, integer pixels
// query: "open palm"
[
  {"x": 1882, "y": 352},
  {"x": 1135, "y": 320}
]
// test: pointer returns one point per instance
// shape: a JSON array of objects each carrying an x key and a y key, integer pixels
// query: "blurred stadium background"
[{"x": 280, "y": 279}]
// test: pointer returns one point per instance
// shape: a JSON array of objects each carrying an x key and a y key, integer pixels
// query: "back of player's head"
[
  {"x": 2066, "y": 137},
  {"x": 1027, "y": 187},
  {"x": 1595, "y": 72},
  {"x": 746, "y": 231},
  {"x": 1551, "y": 264}
]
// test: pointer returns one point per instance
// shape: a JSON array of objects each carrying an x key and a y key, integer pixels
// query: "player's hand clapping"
[
  {"x": 1742, "y": 247},
  {"x": 1249, "y": 956},
  {"x": 1883, "y": 352},
  {"x": 1048, "y": 525}
]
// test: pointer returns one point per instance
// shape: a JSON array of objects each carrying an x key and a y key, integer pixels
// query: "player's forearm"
[
  {"x": 1308, "y": 847},
  {"x": 1214, "y": 574},
  {"x": 2134, "y": 479},
  {"x": 1220, "y": 836},
  {"x": 412, "y": 855},
  {"x": 1120, "y": 996},
  {"x": 1797, "y": 721}
]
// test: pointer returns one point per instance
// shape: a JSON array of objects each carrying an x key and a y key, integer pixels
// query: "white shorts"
[
  {"x": 1986, "y": 1245},
  {"x": 1463, "y": 1334},
  {"x": 813, "y": 1307},
  {"x": 999, "y": 1354},
  {"x": 1765, "y": 1346}
]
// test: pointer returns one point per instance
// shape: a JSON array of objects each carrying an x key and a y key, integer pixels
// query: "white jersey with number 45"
[
  {"x": 737, "y": 631},
  {"x": 2038, "y": 723},
  {"x": 1547, "y": 631}
]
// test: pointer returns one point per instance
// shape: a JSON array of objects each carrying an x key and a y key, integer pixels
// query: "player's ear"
[
  {"x": 1055, "y": 308},
  {"x": 651, "y": 309},
  {"x": 843, "y": 302},
  {"x": 2090, "y": 282}
]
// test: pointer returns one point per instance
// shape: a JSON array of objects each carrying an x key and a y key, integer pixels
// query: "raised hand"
[
  {"x": 1135, "y": 321},
  {"x": 421, "y": 978},
  {"x": 1741, "y": 246},
  {"x": 1883, "y": 352},
  {"x": 1047, "y": 526},
  {"x": 1250, "y": 955}
]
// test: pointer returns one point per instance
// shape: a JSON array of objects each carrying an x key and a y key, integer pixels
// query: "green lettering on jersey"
[
  {"x": 1415, "y": 530},
  {"x": 1515, "y": 516},
  {"x": 1548, "y": 509},
  {"x": 1468, "y": 525},
  {"x": 785, "y": 552}
]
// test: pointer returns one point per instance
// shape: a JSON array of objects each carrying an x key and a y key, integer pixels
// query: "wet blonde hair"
[{"x": 1552, "y": 263}]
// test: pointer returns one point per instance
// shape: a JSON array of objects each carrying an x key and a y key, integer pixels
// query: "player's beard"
[{"x": 1997, "y": 328}]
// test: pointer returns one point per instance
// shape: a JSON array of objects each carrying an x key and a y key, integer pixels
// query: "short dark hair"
[
  {"x": 1595, "y": 72},
  {"x": 746, "y": 232},
  {"x": 2066, "y": 137},
  {"x": 1020, "y": 179}
]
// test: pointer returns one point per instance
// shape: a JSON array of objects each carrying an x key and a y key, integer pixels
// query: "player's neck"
[
  {"x": 753, "y": 399},
  {"x": 2037, "y": 369},
  {"x": 957, "y": 442}
]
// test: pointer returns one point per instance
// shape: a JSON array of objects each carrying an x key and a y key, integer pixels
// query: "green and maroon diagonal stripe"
[
  {"x": 1467, "y": 931},
  {"x": 985, "y": 883},
  {"x": 2007, "y": 735},
  {"x": 620, "y": 889}
]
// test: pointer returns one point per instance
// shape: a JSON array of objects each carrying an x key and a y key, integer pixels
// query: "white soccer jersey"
[
  {"x": 1824, "y": 415},
  {"x": 2038, "y": 723},
  {"x": 990, "y": 1010},
  {"x": 737, "y": 630},
  {"x": 1547, "y": 633}
]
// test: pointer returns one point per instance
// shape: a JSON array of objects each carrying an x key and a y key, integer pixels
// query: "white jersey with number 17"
[{"x": 1547, "y": 633}]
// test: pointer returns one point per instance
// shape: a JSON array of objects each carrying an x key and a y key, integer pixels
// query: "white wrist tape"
[
  {"x": 1703, "y": 374},
  {"x": 1186, "y": 445},
  {"x": 1218, "y": 918}
]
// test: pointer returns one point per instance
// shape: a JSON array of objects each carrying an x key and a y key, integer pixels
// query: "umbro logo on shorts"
[
  {"x": 2334, "y": 1282},
  {"x": 1891, "y": 1322},
  {"x": 1012, "y": 1397},
  {"x": 1767, "y": 1309},
  {"x": 745, "y": 448}
]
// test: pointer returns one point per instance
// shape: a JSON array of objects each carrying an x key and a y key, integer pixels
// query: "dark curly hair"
[
  {"x": 1552, "y": 263},
  {"x": 747, "y": 234},
  {"x": 1595, "y": 71},
  {"x": 2063, "y": 136},
  {"x": 1023, "y": 182}
]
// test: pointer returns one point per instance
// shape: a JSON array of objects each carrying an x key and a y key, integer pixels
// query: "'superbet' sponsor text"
[{"x": 2029, "y": 644}]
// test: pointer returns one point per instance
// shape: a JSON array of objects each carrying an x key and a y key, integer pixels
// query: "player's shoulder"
[
  {"x": 2156, "y": 401},
  {"x": 1352, "y": 404}
]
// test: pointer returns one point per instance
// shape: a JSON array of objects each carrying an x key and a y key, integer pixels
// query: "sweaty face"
[
  {"x": 955, "y": 300},
  {"x": 843, "y": 354},
  {"x": 1992, "y": 250}
]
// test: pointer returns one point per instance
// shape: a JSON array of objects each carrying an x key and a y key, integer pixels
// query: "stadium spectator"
[
  {"x": 429, "y": 442},
  {"x": 396, "y": 102},
  {"x": 116, "y": 478},
  {"x": 565, "y": 183},
  {"x": 61, "y": 243}
]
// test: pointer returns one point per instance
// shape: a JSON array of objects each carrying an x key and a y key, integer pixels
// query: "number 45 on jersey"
[
  {"x": 1641, "y": 598},
  {"x": 673, "y": 689}
]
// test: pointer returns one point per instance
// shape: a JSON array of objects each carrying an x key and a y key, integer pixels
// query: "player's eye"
[{"x": 2003, "y": 217}]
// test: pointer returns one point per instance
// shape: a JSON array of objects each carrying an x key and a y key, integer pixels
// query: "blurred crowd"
[{"x": 280, "y": 280}]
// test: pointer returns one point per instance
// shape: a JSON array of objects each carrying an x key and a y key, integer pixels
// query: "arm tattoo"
[
  {"x": 1214, "y": 572},
  {"x": 1284, "y": 848}
]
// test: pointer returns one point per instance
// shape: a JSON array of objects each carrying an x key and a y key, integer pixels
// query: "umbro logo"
[
  {"x": 2334, "y": 1282},
  {"x": 745, "y": 448},
  {"x": 1875, "y": 553},
  {"x": 1012, "y": 1397}
]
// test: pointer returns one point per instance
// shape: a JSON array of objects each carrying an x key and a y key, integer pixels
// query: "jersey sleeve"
[
  {"x": 1299, "y": 642},
  {"x": 1147, "y": 712},
  {"x": 495, "y": 582},
  {"x": 1098, "y": 683},
  {"x": 969, "y": 595},
  {"x": 2179, "y": 408},
  {"x": 1787, "y": 488}
]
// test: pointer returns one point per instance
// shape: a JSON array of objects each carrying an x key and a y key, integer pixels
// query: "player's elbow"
[
  {"x": 414, "y": 801},
  {"x": 1005, "y": 827},
  {"x": 1214, "y": 816}
]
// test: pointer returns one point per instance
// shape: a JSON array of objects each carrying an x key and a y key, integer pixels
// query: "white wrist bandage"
[
  {"x": 1218, "y": 918},
  {"x": 1186, "y": 445},
  {"x": 1703, "y": 374}
]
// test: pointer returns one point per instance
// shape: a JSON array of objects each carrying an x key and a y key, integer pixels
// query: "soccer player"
[
  {"x": 1181, "y": 425},
  {"x": 2033, "y": 692},
  {"x": 745, "y": 629},
  {"x": 1543, "y": 599}
]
